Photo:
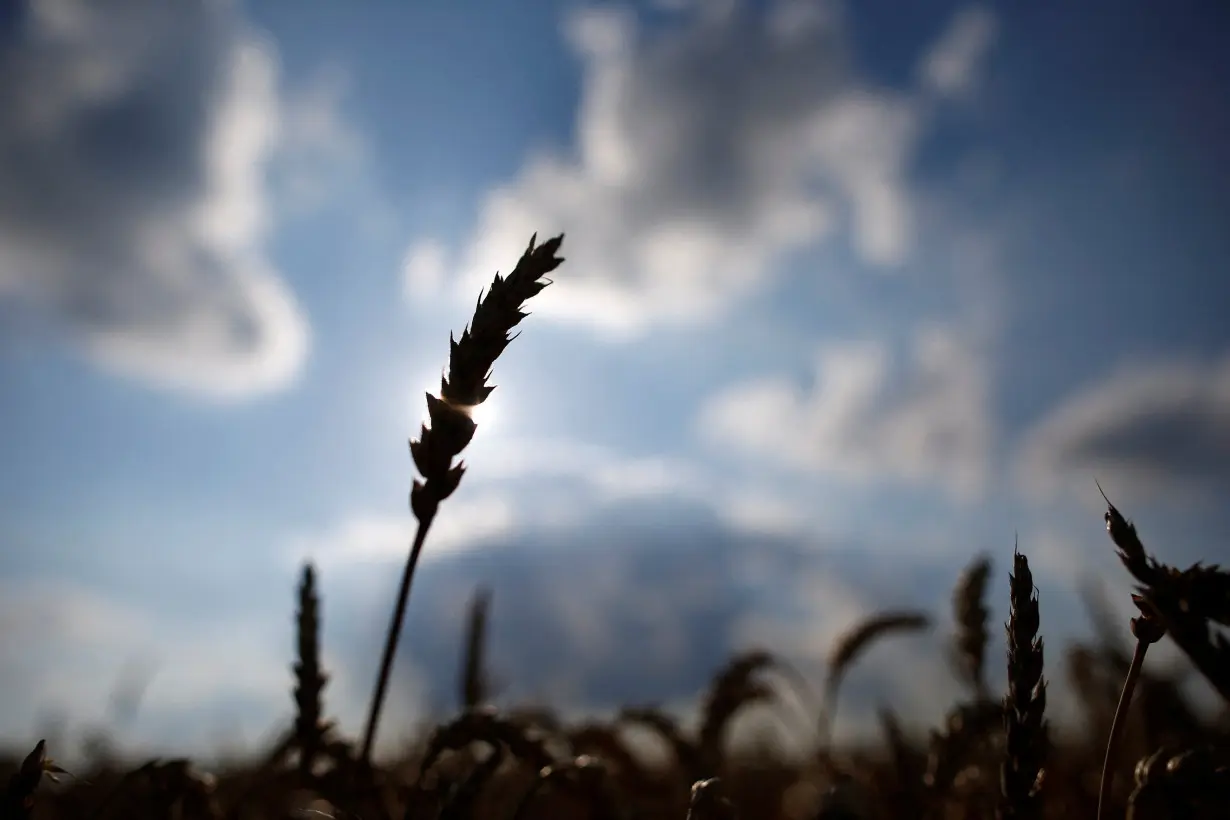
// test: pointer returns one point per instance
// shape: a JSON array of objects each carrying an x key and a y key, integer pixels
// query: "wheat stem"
[
  {"x": 394, "y": 633},
  {"x": 1116, "y": 726},
  {"x": 1148, "y": 630},
  {"x": 451, "y": 426}
]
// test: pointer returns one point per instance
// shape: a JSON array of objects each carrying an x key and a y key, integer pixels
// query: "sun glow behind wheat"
[{"x": 486, "y": 415}]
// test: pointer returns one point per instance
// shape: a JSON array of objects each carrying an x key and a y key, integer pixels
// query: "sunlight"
[{"x": 485, "y": 415}]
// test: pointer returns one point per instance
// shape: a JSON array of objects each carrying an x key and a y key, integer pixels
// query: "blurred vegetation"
[{"x": 993, "y": 756}]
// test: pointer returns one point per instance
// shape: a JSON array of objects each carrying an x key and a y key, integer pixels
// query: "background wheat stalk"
[
  {"x": 1025, "y": 705},
  {"x": 451, "y": 428},
  {"x": 310, "y": 678},
  {"x": 474, "y": 682},
  {"x": 1183, "y": 602},
  {"x": 970, "y": 614},
  {"x": 850, "y": 646}
]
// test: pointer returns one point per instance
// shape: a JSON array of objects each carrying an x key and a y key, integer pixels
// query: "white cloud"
[
  {"x": 609, "y": 474},
  {"x": 864, "y": 141},
  {"x": 951, "y": 67},
  {"x": 702, "y": 156},
  {"x": 461, "y": 524},
  {"x": 133, "y": 142},
  {"x": 319, "y": 150},
  {"x": 862, "y": 423},
  {"x": 1156, "y": 428},
  {"x": 710, "y": 9},
  {"x": 424, "y": 269},
  {"x": 753, "y": 512}
]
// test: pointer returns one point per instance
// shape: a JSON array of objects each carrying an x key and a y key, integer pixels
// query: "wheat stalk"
[
  {"x": 465, "y": 386},
  {"x": 584, "y": 776},
  {"x": 707, "y": 802},
  {"x": 850, "y": 646},
  {"x": 733, "y": 688},
  {"x": 475, "y": 684},
  {"x": 460, "y": 800},
  {"x": 1025, "y": 704},
  {"x": 17, "y": 799},
  {"x": 687, "y": 753},
  {"x": 1182, "y": 601},
  {"x": 488, "y": 726},
  {"x": 1148, "y": 630},
  {"x": 603, "y": 741},
  {"x": 970, "y": 614},
  {"x": 1193, "y": 783},
  {"x": 966, "y": 727},
  {"x": 310, "y": 678},
  {"x": 1178, "y": 603}
]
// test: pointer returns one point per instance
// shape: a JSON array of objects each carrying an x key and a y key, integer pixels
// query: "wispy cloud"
[
  {"x": 1152, "y": 428},
  {"x": 952, "y": 67},
  {"x": 132, "y": 204},
  {"x": 703, "y": 155},
  {"x": 425, "y": 268},
  {"x": 761, "y": 512},
  {"x": 608, "y": 473},
  {"x": 319, "y": 150},
  {"x": 365, "y": 538},
  {"x": 866, "y": 420}
]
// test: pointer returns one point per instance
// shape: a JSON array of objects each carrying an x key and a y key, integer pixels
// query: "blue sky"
[{"x": 852, "y": 293}]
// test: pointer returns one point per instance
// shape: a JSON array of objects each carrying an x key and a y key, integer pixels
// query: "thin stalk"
[
  {"x": 394, "y": 633},
  {"x": 470, "y": 360},
  {"x": 1116, "y": 726}
]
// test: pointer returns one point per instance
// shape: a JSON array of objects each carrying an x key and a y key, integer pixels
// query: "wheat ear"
[
  {"x": 1025, "y": 705},
  {"x": 310, "y": 678}
]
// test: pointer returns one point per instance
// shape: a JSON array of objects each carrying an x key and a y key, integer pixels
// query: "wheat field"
[{"x": 1145, "y": 751}]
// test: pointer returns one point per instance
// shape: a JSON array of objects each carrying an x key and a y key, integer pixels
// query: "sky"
[{"x": 853, "y": 293}]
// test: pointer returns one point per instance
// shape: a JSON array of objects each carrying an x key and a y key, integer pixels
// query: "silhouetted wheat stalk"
[
  {"x": 707, "y": 802},
  {"x": 470, "y": 361},
  {"x": 1193, "y": 783},
  {"x": 966, "y": 729},
  {"x": 903, "y": 793},
  {"x": 488, "y": 726},
  {"x": 687, "y": 752},
  {"x": 310, "y": 678},
  {"x": 1183, "y": 601},
  {"x": 17, "y": 799},
  {"x": 461, "y": 797},
  {"x": 1025, "y": 705},
  {"x": 474, "y": 682},
  {"x": 537, "y": 765},
  {"x": 585, "y": 777},
  {"x": 602, "y": 740},
  {"x": 970, "y": 614},
  {"x": 1148, "y": 628},
  {"x": 850, "y": 646},
  {"x": 732, "y": 689}
]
